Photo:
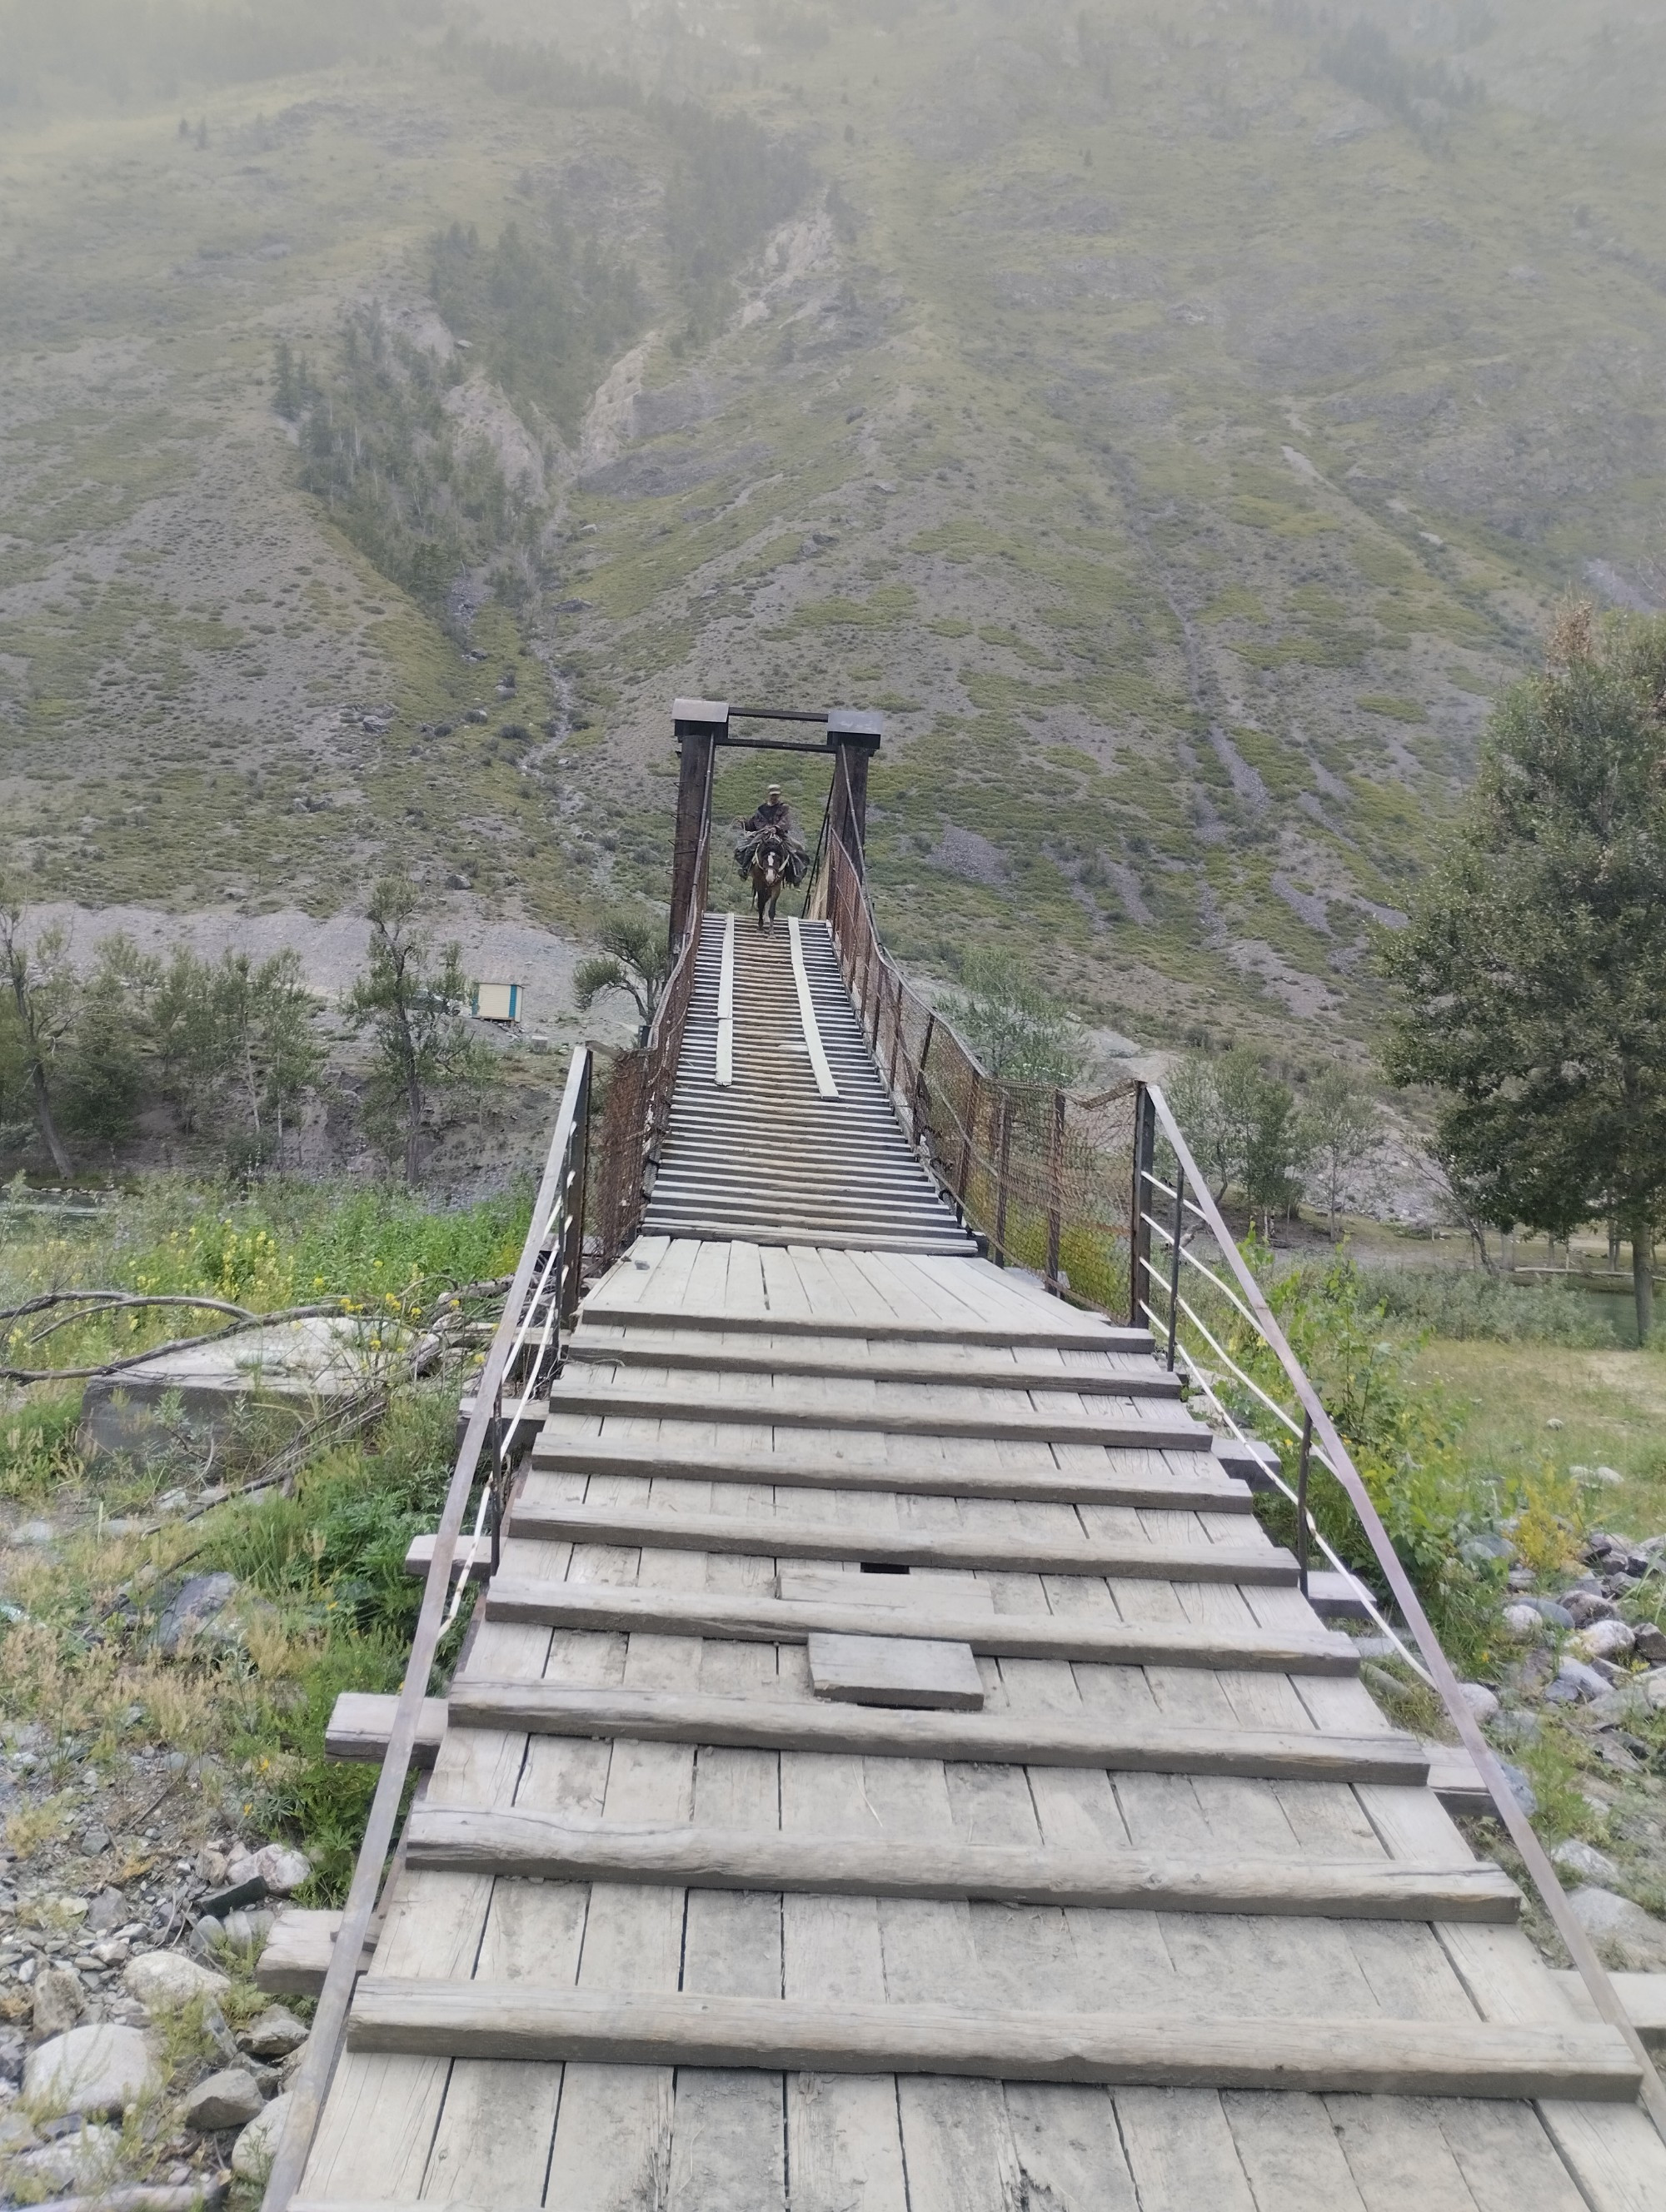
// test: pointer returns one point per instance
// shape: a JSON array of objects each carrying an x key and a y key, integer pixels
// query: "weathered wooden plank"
[
  {"x": 918, "y": 1673},
  {"x": 555, "y": 1849},
  {"x": 1124, "y": 1374},
  {"x": 1643, "y": 1996},
  {"x": 792, "y": 1313},
  {"x": 758, "y": 1724},
  {"x": 296, "y": 1957},
  {"x": 1133, "y": 1556},
  {"x": 745, "y": 1619},
  {"x": 956, "y": 1595},
  {"x": 362, "y": 1720},
  {"x": 900, "y": 1408},
  {"x": 837, "y": 1465},
  {"x": 1377, "y": 2058}
]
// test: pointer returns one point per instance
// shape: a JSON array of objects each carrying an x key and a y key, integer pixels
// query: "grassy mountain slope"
[{"x": 1178, "y": 423}]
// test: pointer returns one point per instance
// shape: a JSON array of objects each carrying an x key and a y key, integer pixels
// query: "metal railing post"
[
  {"x": 1055, "y": 1191},
  {"x": 1145, "y": 1144},
  {"x": 1302, "y": 1466},
  {"x": 1174, "y": 1260}
]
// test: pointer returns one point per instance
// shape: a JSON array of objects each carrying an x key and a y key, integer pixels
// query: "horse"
[{"x": 772, "y": 867}]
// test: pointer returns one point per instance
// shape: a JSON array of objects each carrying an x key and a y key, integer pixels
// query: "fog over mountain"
[{"x": 1180, "y": 421}]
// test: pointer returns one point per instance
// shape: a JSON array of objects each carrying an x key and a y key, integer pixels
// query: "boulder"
[
  {"x": 283, "y": 1870},
  {"x": 1553, "y": 1614},
  {"x": 83, "y": 2161},
  {"x": 1653, "y": 1686},
  {"x": 1482, "y": 1702},
  {"x": 1629, "y": 1938},
  {"x": 195, "y": 1606},
  {"x": 59, "y": 2000},
  {"x": 1586, "y": 1861},
  {"x": 1604, "y": 1640},
  {"x": 106, "y": 1909},
  {"x": 1575, "y": 1682},
  {"x": 1516, "y": 1729},
  {"x": 95, "y": 2070},
  {"x": 1520, "y": 1788},
  {"x": 256, "y": 2148},
  {"x": 1648, "y": 1642},
  {"x": 165, "y": 1980},
  {"x": 230, "y": 2099},
  {"x": 1587, "y": 1606},
  {"x": 1522, "y": 1623},
  {"x": 275, "y": 2035}
]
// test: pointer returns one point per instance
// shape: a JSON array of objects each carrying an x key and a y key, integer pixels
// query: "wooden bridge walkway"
[{"x": 893, "y": 1772}]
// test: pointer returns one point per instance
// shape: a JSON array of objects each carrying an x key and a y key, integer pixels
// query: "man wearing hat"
[{"x": 773, "y": 814}]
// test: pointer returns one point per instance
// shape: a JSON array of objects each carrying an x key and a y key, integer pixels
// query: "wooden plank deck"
[
  {"x": 682, "y": 1971},
  {"x": 1173, "y": 1922}
]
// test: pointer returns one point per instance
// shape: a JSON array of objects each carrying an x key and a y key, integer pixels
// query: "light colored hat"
[{"x": 775, "y": 791}]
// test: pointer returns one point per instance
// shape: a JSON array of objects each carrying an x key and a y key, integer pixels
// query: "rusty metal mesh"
[
  {"x": 1044, "y": 1175},
  {"x": 635, "y": 1104}
]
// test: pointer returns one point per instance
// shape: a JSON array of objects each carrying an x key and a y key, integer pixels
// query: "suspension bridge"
[{"x": 891, "y": 1768}]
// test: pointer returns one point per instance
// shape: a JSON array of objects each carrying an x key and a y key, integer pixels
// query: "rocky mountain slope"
[{"x": 1179, "y": 423}]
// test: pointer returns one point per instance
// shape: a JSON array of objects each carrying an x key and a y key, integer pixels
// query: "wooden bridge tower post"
[
  {"x": 853, "y": 739},
  {"x": 700, "y": 725}
]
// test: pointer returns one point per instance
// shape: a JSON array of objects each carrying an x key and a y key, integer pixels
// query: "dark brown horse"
[{"x": 772, "y": 863}]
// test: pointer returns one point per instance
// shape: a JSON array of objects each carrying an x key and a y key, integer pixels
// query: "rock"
[
  {"x": 1516, "y": 1729},
  {"x": 290, "y": 2066},
  {"x": 283, "y": 1869},
  {"x": 34, "y": 1532},
  {"x": 1574, "y": 1683},
  {"x": 228, "y": 2100},
  {"x": 165, "y": 1980},
  {"x": 252, "y": 2153},
  {"x": 83, "y": 2161},
  {"x": 1653, "y": 1686},
  {"x": 1631, "y": 1939},
  {"x": 1608, "y": 1474},
  {"x": 274, "y": 2034},
  {"x": 1555, "y": 1422},
  {"x": 95, "y": 1843},
  {"x": 242, "y": 1870},
  {"x": 17, "y": 2133},
  {"x": 1482, "y": 1702},
  {"x": 1552, "y": 1614},
  {"x": 11, "y": 2055},
  {"x": 457, "y": 881},
  {"x": 106, "y": 1909},
  {"x": 1522, "y": 1623},
  {"x": 1587, "y": 1606},
  {"x": 207, "y": 1936},
  {"x": 59, "y": 2000},
  {"x": 1584, "y": 1860},
  {"x": 1520, "y": 1788},
  {"x": 193, "y": 1608},
  {"x": 1648, "y": 1642},
  {"x": 93, "y": 2070},
  {"x": 1604, "y": 1640}
]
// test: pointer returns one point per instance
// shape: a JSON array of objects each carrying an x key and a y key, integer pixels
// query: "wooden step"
[
  {"x": 361, "y": 1722},
  {"x": 750, "y": 1229},
  {"x": 646, "y": 1529},
  {"x": 735, "y": 1618},
  {"x": 296, "y": 1955},
  {"x": 1072, "y": 1331},
  {"x": 555, "y": 1450},
  {"x": 1131, "y": 1378},
  {"x": 545, "y": 1847},
  {"x": 1643, "y": 1996},
  {"x": 1369, "y": 2058},
  {"x": 907, "y": 1410},
  {"x": 1086, "y": 1740}
]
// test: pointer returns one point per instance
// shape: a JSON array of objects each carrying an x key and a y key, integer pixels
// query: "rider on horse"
[{"x": 772, "y": 817}]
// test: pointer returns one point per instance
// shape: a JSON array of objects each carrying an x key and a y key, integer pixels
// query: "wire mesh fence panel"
[{"x": 1044, "y": 1175}]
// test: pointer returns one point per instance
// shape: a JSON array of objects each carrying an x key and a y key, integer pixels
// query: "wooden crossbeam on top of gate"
[{"x": 850, "y": 735}]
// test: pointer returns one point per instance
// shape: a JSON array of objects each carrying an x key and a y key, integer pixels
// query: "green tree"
[
  {"x": 1529, "y": 986},
  {"x": 265, "y": 1051},
  {"x": 1278, "y": 1151},
  {"x": 1342, "y": 1127},
  {"x": 105, "y": 1053},
  {"x": 414, "y": 1008},
  {"x": 43, "y": 992},
  {"x": 1217, "y": 1101},
  {"x": 1019, "y": 1033},
  {"x": 635, "y": 958}
]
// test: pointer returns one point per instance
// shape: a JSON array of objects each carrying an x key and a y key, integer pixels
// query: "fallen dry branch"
[{"x": 325, "y": 1309}]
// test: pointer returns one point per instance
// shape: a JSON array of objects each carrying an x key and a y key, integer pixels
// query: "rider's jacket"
[{"x": 772, "y": 814}]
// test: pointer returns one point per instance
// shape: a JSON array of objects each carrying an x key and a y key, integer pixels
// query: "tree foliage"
[
  {"x": 635, "y": 958},
  {"x": 1016, "y": 1031},
  {"x": 1530, "y": 986},
  {"x": 412, "y": 1006}
]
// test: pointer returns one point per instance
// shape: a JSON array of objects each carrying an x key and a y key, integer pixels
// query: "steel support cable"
[
  {"x": 1167, "y": 1190},
  {"x": 1535, "y": 1857},
  {"x": 1225, "y": 1289},
  {"x": 311, "y": 2082}
]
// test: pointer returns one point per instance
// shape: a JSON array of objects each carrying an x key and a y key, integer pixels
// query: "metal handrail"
[
  {"x": 1519, "y": 1828},
  {"x": 553, "y": 1212}
]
